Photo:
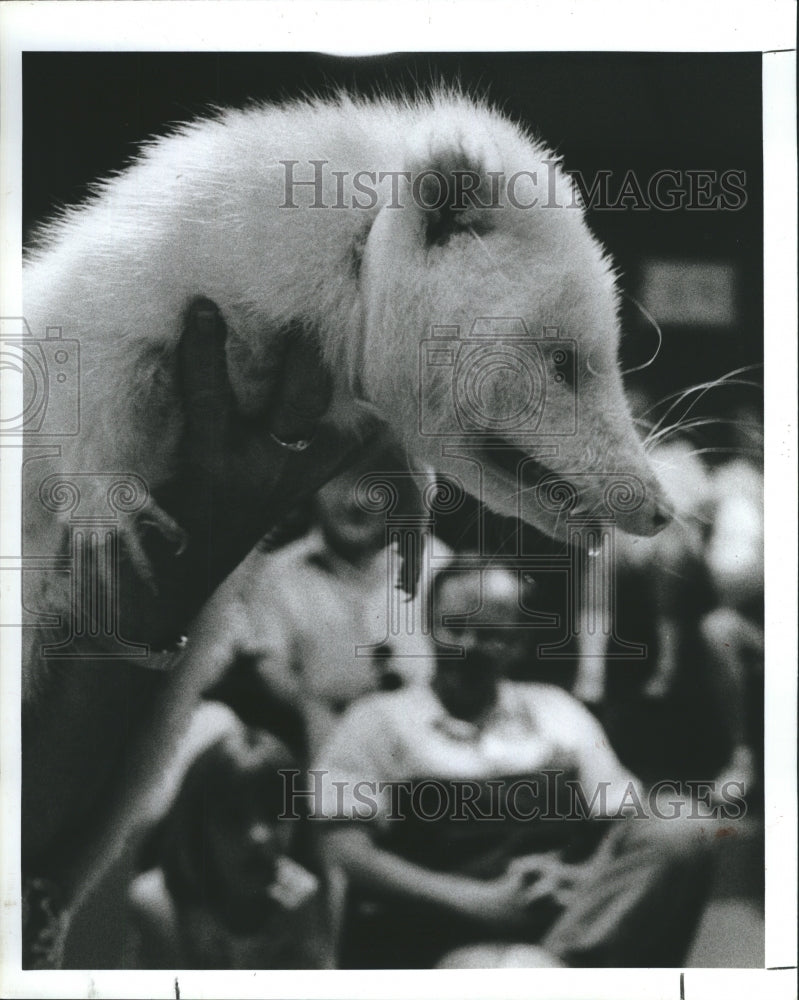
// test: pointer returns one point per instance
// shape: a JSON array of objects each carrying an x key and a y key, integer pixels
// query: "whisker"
[
  {"x": 648, "y": 315},
  {"x": 698, "y": 392},
  {"x": 727, "y": 377},
  {"x": 753, "y": 452},
  {"x": 685, "y": 426}
]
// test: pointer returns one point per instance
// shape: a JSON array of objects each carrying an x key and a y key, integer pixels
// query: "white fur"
[{"x": 199, "y": 213}]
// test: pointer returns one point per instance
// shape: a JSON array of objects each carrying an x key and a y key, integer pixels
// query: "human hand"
[
  {"x": 256, "y": 440},
  {"x": 509, "y": 900},
  {"x": 545, "y": 875}
]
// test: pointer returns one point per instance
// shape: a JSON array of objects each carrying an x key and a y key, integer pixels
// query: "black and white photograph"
[{"x": 392, "y": 437}]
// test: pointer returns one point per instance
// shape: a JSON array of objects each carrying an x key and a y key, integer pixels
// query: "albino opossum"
[{"x": 254, "y": 298}]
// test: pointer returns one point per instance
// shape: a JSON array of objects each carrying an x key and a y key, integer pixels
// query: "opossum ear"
[{"x": 455, "y": 192}]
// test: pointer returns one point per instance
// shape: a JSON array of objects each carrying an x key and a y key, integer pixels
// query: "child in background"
[{"x": 220, "y": 890}]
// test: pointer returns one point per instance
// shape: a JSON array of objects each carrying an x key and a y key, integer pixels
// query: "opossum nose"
[
  {"x": 661, "y": 518},
  {"x": 649, "y": 519}
]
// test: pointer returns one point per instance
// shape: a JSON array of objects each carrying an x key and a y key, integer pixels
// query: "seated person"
[
  {"x": 220, "y": 890},
  {"x": 447, "y": 808}
]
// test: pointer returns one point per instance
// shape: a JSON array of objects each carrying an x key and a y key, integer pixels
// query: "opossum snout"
[
  {"x": 661, "y": 517},
  {"x": 649, "y": 519}
]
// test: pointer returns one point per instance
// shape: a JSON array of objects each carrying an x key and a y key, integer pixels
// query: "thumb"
[{"x": 303, "y": 393}]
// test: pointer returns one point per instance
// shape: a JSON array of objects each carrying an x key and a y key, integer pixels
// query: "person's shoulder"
[
  {"x": 565, "y": 718},
  {"x": 540, "y": 689},
  {"x": 263, "y": 592},
  {"x": 262, "y": 567},
  {"x": 545, "y": 697},
  {"x": 380, "y": 718},
  {"x": 258, "y": 584},
  {"x": 386, "y": 705},
  {"x": 149, "y": 898}
]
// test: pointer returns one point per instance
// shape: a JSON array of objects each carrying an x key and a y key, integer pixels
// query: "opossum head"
[{"x": 491, "y": 331}]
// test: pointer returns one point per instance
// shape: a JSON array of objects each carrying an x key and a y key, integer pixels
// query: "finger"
[
  {"x": 303, "y": 392},
  {"x": 530, "y": 864},
  {"x": 523, "y": 875},
  {"x": 202, "y": 377},
  {"x": 545, "y": 886},
  {"x": 255, "y": 368}
]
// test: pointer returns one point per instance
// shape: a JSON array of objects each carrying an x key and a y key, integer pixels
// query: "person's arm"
[
  {"x": 363, "y": 748},
  {"x": 603, "y": 781},
  {"x": 667, "y": 632},
  {"x": 209, "y": 651},
  {"x": 154, "y": 921},
  {"x": 501, "y": 901}
]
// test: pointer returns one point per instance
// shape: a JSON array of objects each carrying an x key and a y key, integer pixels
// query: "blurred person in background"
[
  {"x": 594, "y": 888},
  {"x": 276, "y": 648},
  {"x": 219, "y": 889},
  {"x": 282, "y": 635}
]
